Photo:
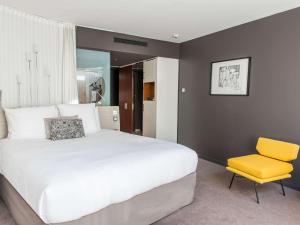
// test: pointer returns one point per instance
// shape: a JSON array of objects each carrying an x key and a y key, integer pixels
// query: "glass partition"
[{"x": 93, "y": 76}]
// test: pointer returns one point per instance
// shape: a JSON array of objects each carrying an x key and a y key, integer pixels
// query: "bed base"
[{"x": 143, "y": 209}]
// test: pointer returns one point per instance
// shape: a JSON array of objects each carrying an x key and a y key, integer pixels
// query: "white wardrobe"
[{"x": 160, "y": 112}]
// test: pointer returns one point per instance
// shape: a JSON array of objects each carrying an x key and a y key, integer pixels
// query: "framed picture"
[{"x": 230, "y": 77}]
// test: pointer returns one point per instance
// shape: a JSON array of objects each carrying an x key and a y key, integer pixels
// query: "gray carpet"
[{"x": 215, "y": 204}]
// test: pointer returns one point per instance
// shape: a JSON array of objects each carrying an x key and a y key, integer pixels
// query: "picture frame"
[{"x": 230, "y": 77}]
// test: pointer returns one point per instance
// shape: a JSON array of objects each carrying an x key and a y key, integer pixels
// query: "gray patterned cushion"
[
  {"x": 64, "y": 128},
  {"x": 47, "y": 121}
]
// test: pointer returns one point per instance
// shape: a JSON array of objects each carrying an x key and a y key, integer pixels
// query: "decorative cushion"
[
  {"x": 64, "y": 128},
  {"x": 260, "y": 166},
  {"x": 47, "y": 120}
]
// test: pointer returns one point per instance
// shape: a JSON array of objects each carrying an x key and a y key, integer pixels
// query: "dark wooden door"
[{"x": 126, "y": 99}]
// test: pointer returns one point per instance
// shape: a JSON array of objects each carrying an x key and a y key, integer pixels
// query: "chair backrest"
[{"x": 281, "y": 150}]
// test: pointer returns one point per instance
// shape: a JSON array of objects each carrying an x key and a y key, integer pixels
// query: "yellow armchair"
[{"x": 271, "y": 164}]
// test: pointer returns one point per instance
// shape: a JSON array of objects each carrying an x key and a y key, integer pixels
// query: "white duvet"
[{"x": 65, "y": 180}]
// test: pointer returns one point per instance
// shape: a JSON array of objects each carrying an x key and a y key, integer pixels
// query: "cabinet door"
[
  {"x": 150, "y": 71},
  {"x": 149, "y": 119}
]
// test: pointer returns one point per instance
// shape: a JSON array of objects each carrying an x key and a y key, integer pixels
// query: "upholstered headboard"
[{"x": 3, "y": 125}]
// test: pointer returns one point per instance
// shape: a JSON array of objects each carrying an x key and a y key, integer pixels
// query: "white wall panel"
[{"x": 167, "y": 99}]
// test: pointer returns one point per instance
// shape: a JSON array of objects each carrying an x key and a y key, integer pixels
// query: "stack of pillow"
[{"x": 52, "y": 122}]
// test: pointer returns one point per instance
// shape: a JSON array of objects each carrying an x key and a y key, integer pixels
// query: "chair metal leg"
[
  {"x": 257, "y": 198},
  {"x": 283, "y": 192},
  {"x": 233, "y": 176}
]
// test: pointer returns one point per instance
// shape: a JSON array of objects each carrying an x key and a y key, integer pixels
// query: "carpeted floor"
[{"x": 215, "y": 204}]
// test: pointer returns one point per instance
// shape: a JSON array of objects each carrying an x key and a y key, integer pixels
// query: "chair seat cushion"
[{"x": 260, "y": 166}]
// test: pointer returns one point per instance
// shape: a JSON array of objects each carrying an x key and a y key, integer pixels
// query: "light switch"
[{"x": 115, "y": 115}]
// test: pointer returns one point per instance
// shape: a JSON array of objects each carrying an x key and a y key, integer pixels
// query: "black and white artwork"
[{"x": 230, "y": 77}]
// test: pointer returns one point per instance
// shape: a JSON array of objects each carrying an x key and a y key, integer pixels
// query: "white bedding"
[{"x": 65, "y": 180}]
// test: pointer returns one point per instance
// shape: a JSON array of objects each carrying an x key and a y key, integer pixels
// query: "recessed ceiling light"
[{"x": 175, "y": 36}]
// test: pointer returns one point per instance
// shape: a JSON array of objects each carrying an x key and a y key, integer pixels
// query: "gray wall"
[
  {"x": 103, "y": 40},
  {"x": 219, "y": 127}
]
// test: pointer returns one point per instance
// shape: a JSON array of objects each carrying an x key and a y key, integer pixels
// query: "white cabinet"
[
  {"x": 149, "y": 102},
  {"x": 160, "y": 115}
]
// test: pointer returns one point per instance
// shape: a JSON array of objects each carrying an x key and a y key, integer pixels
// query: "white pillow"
[
  {"x": 24, "y": 123},
  {"x": 87, "y": 112}
]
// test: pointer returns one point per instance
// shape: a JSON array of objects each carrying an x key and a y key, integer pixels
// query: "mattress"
[{"x": 88, "y": 174}]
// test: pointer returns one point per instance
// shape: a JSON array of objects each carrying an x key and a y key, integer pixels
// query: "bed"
[{"x": 106, "y": 178}]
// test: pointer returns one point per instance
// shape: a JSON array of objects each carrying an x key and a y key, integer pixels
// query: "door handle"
[{"x": 125, "y": 106}]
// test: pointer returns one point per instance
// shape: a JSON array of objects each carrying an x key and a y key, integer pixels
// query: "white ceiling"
[{"x": 158, "y": 19}]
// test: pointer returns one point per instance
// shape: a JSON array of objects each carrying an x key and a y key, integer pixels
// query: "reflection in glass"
[{"x": 93, "y": 76}]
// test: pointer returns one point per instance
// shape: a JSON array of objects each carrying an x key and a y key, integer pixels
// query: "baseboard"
[{"x": 212, "y": 160}]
